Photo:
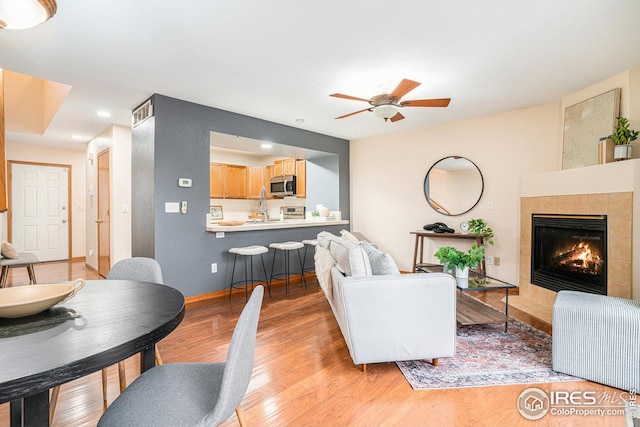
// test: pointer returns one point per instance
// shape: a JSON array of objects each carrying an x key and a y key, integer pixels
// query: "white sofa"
[{"x": 385, "y": 317}]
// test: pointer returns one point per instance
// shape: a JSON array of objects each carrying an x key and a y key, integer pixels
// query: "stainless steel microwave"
[{"x": 283, "y": 185}]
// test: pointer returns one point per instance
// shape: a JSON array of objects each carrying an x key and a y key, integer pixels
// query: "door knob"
[
  {"x": 99, "y": 221},
  {"x": 64, "y": 221}
]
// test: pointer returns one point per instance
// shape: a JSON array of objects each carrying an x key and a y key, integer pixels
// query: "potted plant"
[
  {"x": 479, "y": 227},
  {"x": 448, "y": 257},
  {"x": 622, "y": 137},
  {"x": 469, "y": 259}
]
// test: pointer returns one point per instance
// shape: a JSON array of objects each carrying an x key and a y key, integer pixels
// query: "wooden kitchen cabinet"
[
  {"x": 236, "y": 182},
  {"x": 301, "y": 179},
  {"x": 278, "y": 168},
  {"x": 256, "y": 177},
  {"x": 289, "y": 166},
  {"x": 284, "y": 167},
  {"x": 268, "y": 173},
  {"x": 217, "y": 180}
]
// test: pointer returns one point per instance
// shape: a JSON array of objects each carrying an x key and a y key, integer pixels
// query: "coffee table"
[{"x": 470, "y": 311}]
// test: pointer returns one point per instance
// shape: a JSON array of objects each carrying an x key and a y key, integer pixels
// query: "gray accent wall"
[{"x": 175, "y": 144}]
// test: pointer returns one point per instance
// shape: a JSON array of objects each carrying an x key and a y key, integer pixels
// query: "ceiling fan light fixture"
[
  {"x": 386, "y": 111},
  {"x": 22, "y": 14}
]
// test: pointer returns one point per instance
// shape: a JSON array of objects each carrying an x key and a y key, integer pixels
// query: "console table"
[{"x": 420, "y": 236}]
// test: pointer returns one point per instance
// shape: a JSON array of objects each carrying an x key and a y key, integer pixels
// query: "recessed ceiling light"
[
  {"x": 78, "y": 137},
  {"x": 266, "y": 146},
  {"x": 300, "y": 121},
  {"x": 103, "y": 113}
]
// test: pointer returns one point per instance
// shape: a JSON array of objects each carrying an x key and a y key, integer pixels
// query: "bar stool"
[
  {"x": 309, "y": 243},
  {"x": 286, "y": 248},
  {"x": 250, "y": 252}
]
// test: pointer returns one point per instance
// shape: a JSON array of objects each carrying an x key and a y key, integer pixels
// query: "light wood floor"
[{"x": 303, "y": 375}]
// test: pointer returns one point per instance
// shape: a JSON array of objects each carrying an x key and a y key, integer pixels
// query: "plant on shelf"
[
  {"x": 622, "y": 134},
  {"x": 448, "y": 257},
  {"x": 479, "y": 227},
  {"x": 622, "y": 137}
]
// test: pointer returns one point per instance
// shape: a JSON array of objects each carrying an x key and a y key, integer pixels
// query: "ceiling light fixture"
[
  {"x": 103, "y": 113},
  {"x": 266, "y": 146},
  {"x": 385, "y": 111},
  {"x": 21, "y": 14}
]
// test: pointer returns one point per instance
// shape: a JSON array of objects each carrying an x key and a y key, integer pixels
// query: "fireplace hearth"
[{"x": 569, "y": 252}]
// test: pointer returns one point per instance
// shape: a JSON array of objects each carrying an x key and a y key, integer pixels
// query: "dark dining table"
[{"x": 105, "y": 322}]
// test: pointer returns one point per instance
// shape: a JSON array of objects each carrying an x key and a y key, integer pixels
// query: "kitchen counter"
[{"x": 275, "y": 225}]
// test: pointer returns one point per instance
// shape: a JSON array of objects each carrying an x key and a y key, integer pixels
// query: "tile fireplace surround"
[{"x": 555, "y": 193}]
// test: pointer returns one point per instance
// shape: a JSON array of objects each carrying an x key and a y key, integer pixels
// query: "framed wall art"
[
  {"x": 585, "y": 124},
  {"x": 216, "y": 212}
]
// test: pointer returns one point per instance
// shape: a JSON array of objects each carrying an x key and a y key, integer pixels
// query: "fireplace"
[{"x": 569, "y": 252}]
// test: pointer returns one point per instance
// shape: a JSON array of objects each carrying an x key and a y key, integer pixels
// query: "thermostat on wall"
[{"x": 184, "y": 182}]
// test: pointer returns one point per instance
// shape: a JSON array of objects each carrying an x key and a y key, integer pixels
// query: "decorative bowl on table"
[{"x": 26, "y": 300}]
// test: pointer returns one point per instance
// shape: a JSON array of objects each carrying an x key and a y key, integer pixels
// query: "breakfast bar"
[
  {"x": 272, "y": 224},
  {"x": 262, "y": 233}
]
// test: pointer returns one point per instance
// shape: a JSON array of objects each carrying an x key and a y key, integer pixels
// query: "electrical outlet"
[
  {"x": 489, "y": 260},
  {"x": 219, "y": 234},
  {"x": 214, "y": 267},
  {"x": 496, "y": 260}
]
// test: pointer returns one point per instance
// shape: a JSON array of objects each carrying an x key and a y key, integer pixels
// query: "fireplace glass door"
[{"x": 569, "y": 252}]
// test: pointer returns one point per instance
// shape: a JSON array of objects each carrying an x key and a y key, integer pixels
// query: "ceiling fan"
[{"x": 387, "y": 105}]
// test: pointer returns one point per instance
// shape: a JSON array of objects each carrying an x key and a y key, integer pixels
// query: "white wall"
[
  {"x": 78, "y": 162},
  {"x": 387, "y": 177},
  {"x": 118, "y": 140},
  {"x": 387, "y": 172}
]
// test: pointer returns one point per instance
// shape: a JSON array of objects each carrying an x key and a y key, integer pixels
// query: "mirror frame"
[{"x": 439, "y": 209}]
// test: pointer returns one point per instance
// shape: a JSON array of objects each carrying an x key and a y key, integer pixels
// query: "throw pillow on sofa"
[
  {"x": 9, "y": 251},
  {"x": 323, "y": 263},
  {"x": 346, "y": 235},
  {"x": 351, "y": 259},
  {"x": 381, "y": 262}
]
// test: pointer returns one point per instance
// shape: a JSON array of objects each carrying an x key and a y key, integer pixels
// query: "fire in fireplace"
[{"x": 569, "y": 252}]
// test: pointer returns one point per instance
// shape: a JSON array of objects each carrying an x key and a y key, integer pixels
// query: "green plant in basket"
[{"x": 480, "y": 228}]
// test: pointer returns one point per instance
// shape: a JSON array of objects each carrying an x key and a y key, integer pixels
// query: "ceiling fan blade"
[
  {"x": 403, "y": 88},
  {"x": 441, "y": 102},
  {"x": 339, "y": 95},
  {"x": 355, "y": 112},
  {"x": 397, "y": 117}
]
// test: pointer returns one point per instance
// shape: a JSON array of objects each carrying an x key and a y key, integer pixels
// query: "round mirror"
[{"x": 453, "y": 185}]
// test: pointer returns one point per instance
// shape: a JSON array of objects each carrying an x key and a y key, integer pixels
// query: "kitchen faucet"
[{"x": 262, "y": 209}]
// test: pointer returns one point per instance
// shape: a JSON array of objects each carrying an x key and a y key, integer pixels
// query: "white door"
[{"x": 40, "y": 211}]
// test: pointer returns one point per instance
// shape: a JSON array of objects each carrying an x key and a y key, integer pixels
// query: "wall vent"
[{"x": 142, "y": 113}]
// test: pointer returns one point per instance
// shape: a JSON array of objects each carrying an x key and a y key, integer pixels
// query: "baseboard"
[{"x": 217, "y": 296}]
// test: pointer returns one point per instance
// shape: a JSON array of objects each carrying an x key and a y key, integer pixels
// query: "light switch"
[{"x": 172, "y": 207}]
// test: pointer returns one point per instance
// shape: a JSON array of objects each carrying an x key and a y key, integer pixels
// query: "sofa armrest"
[{"x": 404, "y": 317}]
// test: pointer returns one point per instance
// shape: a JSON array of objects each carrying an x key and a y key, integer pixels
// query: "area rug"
[{"x": 487, "y": 356}]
